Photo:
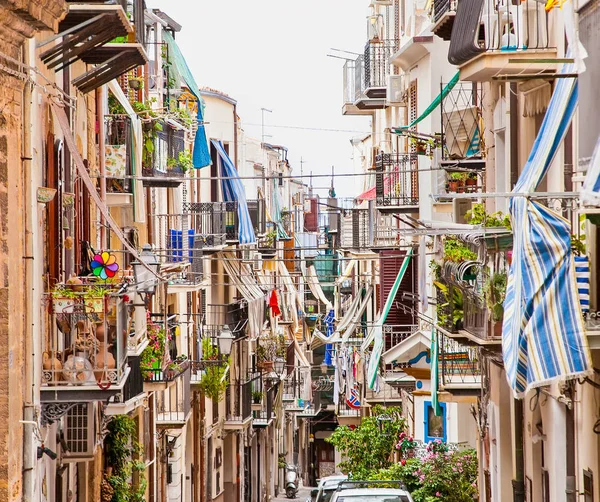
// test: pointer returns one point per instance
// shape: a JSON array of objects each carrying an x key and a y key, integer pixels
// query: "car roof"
[
  {"x": 371, "y": 491},
  {"x": 333, "y": 482}
]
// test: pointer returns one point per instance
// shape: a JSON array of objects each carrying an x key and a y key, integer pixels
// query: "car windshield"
[{"x": 326, "y": 494}]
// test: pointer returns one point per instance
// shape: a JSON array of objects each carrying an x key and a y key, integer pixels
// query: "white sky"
[{"x": 273, "y": 54}]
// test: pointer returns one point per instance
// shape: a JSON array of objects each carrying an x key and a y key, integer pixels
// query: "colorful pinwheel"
[{"x": 104, "y": 265}]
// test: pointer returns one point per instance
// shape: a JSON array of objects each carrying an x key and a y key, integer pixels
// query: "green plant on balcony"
[
  {"x": 214, "y": 382},
  {"x": 578, "y": 244},
  {"x": 281, "y": 462},
  {"x": 136, "y": 83},
  {"x": 123, "y": 453},
  {"x": 450, "y": 311},
  {"x": 153, "y": 355},
  {"x": 268, "y": 348},
  {"x": 257, "y": 396},
  {"x": 457, "y": 252},
  {"x": 114, "y": 106},
  {"x": 456, "y": 181},
  {"x": 477, "y": 215},
  {"x": 495, "y": 293}
]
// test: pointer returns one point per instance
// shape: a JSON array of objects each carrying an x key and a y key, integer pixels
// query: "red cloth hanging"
[{"x": 274, "y": 304}]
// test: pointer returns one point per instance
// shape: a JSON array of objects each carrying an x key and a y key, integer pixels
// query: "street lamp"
[
  {"x": 382, "y": 421},
  {"x": 279, "y": 366},
  {"x": 225, "y": 340},
  {"x": 146, "y": 273}
]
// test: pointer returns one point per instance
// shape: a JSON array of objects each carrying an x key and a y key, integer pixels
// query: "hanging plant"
[
  {"x": 457, "y": 252},
  {"x": 495, "y": 293},
  {"x": 122, "y": 452}
]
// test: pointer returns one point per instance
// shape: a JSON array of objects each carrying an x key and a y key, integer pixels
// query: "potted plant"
[
  {"x": 406, "y": 445},
  {"x": 152, "y": 358},
  {"x": 456, "y": 181},
  {"x": 268, "y": 348},
  {"x": 257, "y": 397},
  {"x": 136, "y": 83},
  {"x": 471, "y": 182},
  {"x": 495, "y": 294}
]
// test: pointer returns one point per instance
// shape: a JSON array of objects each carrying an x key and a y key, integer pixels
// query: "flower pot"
[
  {"x": 52, "y": 367},
  {"x": 461, "y": 186},
  {"x": 94, "y": 305},
  {"x": 45, "y": 194},
  {"x": 266, "y": 366},
  {"x": 134, "y": 84},
  {"x": 68, "y": 199},
  {"x": 104, "y": 361},
  {"x": 453, "y": 186}
]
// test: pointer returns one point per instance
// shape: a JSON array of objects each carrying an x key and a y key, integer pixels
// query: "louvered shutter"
[
  {"x": 311, "y": 219},
  {"x": 389, "y": 266}
]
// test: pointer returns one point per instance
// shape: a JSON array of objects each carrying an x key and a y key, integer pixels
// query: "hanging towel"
[{"x": 274, "y": 304}]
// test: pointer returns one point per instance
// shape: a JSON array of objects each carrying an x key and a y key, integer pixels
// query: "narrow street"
[
  {"x": 303, "y": 494},
  {"x": 250, "y": 240}
]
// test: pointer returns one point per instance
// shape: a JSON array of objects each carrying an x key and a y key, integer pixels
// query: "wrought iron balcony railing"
[
  {"x": 459, "y": 365},
  {"x": 163, "y": 165},
  {"x": 238, "y": 403},
  {"x": 393, "y": 335},
  {"x": 86, "y": 345},
  {"x": 377, "y": 66},
  {"x": 397, "y": 182},
  {"x": 173, "y": 404},
  {"x": 503, "y": 28}
]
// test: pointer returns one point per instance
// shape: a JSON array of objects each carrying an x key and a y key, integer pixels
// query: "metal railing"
[
  {"x": 238, "y": 400},
  {"x": 459, "y": 364},
  {"x": 501, "y": 26},
  {"x": 355, "y": 229},
  {"x": 377, "y": 64},
  {"x": 397, "y": 179},
  {"x": 174, "y": 403},
  {"x": 395, "y": 334},
  {"x": 117, "y": 153},
  {"x": 343, "y": 410},
  {"x": 134, "y": 386},
  {"x": 86, "y": 344},
  {"x": 441, "y": 7},
  {"x": 169, "y": 374},
  {"x": 163, "y": 161}
]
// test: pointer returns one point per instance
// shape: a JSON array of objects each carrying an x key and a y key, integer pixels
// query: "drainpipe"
[
  {"x": 29, "y": 352},
  {"x": 101, "y": 134},
  {"x": 519, "y": 479},
  {"x": 235, "y": 136}
]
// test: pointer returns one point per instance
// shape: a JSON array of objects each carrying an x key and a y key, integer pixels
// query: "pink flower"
[{"x": 438, "y": 494}]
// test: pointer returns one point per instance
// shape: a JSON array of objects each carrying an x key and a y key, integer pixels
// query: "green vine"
[
  {"x": 213, "y": 384},
  {"x": 457, "y": 252},
  {"x": 122, "y": 462},
  {"x": 477, "y": 215}
]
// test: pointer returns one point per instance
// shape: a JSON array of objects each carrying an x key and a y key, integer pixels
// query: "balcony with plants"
[
  {"x": 118, "y": 158},
  {"x": 159, "y": 363},
  {"x": 173, "y": 404},
  {"x": 510, "y": 41},
  {"x": 85, "y": 347}
]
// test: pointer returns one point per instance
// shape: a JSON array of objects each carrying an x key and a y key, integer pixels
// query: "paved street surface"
[{"x": 303, "y": 494}]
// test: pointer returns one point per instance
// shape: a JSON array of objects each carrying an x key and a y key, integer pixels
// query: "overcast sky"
[{"x": 273, "y": 54}]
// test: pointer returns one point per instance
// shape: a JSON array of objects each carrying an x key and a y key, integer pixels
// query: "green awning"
[{"x": 434, "y": 104}]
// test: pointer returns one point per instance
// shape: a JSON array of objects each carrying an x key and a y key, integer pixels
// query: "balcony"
[
  {"x": 459, "y": 365},
  {"x": 132, "y": 393},
  {"x": 164, "y": 165},
  {"x": 397, "y": 182},
  {"x": 366, "y": 78},
  {"x": 511, "y": 40},
  {"x": 85, "y": 348},
  {"x": 118, "y": 151},
  {"x": 442, "y": 18},
  {"x": 346, "y": 415},
  {"x": 238, "y": 405},
  {"x": 173, "y": 404},
  {"x": 98, "y": 34}
]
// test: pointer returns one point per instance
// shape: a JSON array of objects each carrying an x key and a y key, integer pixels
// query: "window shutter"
[
  {"x": 390, "y": 263},
  {"x": 311, "y": 219}
]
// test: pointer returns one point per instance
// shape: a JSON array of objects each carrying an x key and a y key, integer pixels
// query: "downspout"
[
  {"x": 101, "y": 162},
  {"x": 29, "y": 350},
  {"x": 519, "y": 479},
  {"x": 235, "y": 136}
]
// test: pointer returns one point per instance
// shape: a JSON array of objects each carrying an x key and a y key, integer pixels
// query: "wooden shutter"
[{"x": 390, "y": 262}]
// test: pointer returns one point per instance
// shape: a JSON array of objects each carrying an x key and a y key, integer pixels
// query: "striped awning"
[
  {"x": 543, "y": 335},
  {"x": 233, "y": 190}
]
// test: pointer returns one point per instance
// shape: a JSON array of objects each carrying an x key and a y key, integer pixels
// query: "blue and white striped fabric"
[
  {"x": 233, "y": 190},
  {"x": 330, "y": 324},
  {"x": 543, "y": 335},
  {"x": 582, "y": 274}
]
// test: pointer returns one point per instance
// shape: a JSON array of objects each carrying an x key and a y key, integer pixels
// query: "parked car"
[
  {"x": 367, "y": 491},
  {"x": 371, "y": 495},
  {"x": 325, "y": 488}
]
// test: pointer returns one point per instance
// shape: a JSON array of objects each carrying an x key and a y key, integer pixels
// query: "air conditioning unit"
[
  {"x": 247, "y": 255},
  {"x": 79, "y": 433},
  {"x": 257, "y": 263},
  {"x": 397, "y": 90},
  {"x": 460, "y": 208},
  {"x": 309, "y": 356}
]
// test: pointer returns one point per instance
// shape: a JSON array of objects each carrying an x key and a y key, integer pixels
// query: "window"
[
  {"x": 588, "y": 486},
  {"x": 435, "y": 426}
]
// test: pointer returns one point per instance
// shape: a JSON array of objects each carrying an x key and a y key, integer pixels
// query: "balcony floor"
[
  {"x": 352, "y": 109},
  {"x": 172, "y": 419},
  {"x": 488, "y": 65}
]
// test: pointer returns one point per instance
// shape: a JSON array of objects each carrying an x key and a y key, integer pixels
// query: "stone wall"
[{"x": 19, "y": 19}]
